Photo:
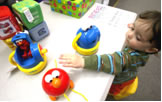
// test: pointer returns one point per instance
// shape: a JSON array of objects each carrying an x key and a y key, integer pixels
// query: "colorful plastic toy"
[
  {"x": 56, "y": 82},
  {"x": 9, "y": 43},
  {"x": 39, "y": 32},
  {"x": 87, "y": 41},
  {"x": 128, "y": 90},
  {"x": 29, "y": 12},
  {"x": 8, "y": 26},
  {"x": 29, "y": 57}
]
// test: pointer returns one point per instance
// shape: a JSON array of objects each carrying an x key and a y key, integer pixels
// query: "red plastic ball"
[{"x": 55, "y": 82}]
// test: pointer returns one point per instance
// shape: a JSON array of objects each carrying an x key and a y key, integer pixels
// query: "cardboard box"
[
  {"x": 74, "y": 8},
  {"x": 29, "y": 12}
]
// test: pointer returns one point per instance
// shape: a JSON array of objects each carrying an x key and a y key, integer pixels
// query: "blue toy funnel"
[{"x": 89, "y": 37}]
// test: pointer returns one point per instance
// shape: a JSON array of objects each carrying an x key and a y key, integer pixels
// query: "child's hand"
[{"x": 71, "y": 60}]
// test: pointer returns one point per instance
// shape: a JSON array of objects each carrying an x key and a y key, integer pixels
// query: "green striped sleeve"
[
  {"x": 90, "y": 62},
  {"x": 117, "y": 62},
  {"x": 112, "y": 64}
]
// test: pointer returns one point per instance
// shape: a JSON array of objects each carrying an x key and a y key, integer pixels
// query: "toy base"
[
  {"x": 35, "y": 69},
  {"x": 87, "y": 52}
]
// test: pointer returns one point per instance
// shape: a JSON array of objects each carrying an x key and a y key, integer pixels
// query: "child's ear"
[{"x": 152, "y": 50}]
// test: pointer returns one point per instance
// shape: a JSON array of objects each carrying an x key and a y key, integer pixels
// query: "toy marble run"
[
  {"x": 29, "y": 57},
  {"x": 56, "y": 82},
  {"x": 87, "y": 41},
  {"x": 8, "y": 26}
]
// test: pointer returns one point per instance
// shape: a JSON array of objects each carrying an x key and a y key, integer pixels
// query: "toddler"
[{"x": 142, "y": 39}]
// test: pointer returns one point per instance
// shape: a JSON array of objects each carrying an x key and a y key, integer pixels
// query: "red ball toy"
[{"x": 55, "y": 82}]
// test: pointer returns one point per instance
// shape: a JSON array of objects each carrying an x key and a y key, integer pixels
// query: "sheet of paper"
[
  {"x": 109, "y": 15},
  {"x": 112, "y": 23}
]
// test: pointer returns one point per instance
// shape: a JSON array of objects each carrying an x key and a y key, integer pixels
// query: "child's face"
[{"x": 139, "y": 34}]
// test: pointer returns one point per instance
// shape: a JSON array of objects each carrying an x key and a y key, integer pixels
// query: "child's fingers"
[
  {"x": 64, "y": 56},
  {"x": 61, "y": 62},
  {"x": 67, "y": 65},
  {"x": 65, "y": 61},
  {"x": 61, "y": 56}
]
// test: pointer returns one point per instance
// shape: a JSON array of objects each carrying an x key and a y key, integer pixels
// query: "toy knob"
[
  {"x": 43, "y": 51},
  {"x": 56, "y": 82}
]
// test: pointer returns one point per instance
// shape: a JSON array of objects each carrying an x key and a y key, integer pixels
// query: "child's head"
[{"x": 145, "y": 33}]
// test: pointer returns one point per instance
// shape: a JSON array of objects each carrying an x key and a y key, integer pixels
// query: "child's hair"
[{"x": 155, "y": 18}]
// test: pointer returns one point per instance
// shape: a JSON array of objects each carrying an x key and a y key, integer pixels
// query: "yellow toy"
[
  {"x": 29, "y": 57},
  {"x": 128, "y": 90},
  {"x": 83, "y": 51},
  {"x": 87, "y": 41},
  {"x": 9, "y": 43}
]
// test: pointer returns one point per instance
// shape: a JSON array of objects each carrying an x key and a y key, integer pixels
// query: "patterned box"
[
  {"x": 74, "y": 8},
  {"x": 29, "y": 12}
]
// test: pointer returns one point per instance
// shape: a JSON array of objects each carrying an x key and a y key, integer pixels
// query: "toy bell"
[
  {"x": 87, "y": 41},
  {"x": 29, "y": 57}
]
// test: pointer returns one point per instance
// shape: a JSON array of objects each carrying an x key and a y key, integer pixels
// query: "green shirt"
[{"x": 124, "y": 64}]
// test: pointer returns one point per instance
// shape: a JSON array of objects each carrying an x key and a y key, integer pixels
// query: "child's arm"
[
  {"x": 111, "y": 63},
  {"x": 95, "y": 62}
]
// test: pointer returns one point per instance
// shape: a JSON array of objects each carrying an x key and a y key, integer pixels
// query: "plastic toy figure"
[
  {"x": 25, "y": 47},
  {"x": 87, "y": 41},
  {"x": 55, "y": 82},
  {"x": 29, "y": 57}
]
